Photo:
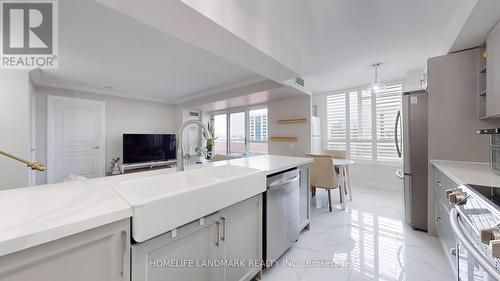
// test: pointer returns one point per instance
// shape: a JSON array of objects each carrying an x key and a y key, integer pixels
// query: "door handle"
[{"x": 396, "y": 129}]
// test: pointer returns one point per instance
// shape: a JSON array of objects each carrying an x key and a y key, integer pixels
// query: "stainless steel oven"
[{"x": 475, "y": 221}]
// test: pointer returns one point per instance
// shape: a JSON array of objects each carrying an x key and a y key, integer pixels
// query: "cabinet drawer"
[{"x": 445, "y": 232}]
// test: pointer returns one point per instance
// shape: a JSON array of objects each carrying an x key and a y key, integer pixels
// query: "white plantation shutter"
[
  {"x": 336, "y": 119},
  {"x": 360, "y": 117},
  {"x": 362, "y": 123},
  {"x": 388, "y": 103}
]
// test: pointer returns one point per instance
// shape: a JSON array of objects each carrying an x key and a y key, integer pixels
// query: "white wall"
[
  {"x": 298, "y": 107},
  {"x": 123, "y": 115},
  {"x": 15, "y": 127},
  {"x": 413, "y": 79},
  {"x": 369, "y": 174},
  {"x": 191, "y": 136}
]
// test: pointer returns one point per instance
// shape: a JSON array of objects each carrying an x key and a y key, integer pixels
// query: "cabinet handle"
[
  {"x": 217, "y": 242},
  {"x": 453, "y": 251},
  {"x": 223, "y": 238},
  {"x": 124, "y": 251}
]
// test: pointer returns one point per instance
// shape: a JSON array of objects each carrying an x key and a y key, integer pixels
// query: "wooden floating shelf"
[
  {"x": 293, "y": 121},
  {"x": 283, "y": 139}
]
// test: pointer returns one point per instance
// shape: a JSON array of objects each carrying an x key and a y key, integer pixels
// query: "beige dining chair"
[
  {"x": 323, "y": 175},
  {"x": 338, "y": 154}
]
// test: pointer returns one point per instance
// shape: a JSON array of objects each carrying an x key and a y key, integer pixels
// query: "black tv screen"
[{"x": 139, "y": 148}]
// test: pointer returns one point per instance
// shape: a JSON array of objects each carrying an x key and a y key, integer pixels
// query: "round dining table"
[{"x": 344, "y": 176}]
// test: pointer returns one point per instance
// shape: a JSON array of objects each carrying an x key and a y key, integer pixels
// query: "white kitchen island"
[{"x": 82, "y": 230}]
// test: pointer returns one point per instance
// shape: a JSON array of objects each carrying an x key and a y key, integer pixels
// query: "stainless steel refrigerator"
[{"x": 413, "y": 121}]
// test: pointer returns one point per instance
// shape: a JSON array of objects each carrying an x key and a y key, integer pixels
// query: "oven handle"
[{"x": 470, "y": 247}]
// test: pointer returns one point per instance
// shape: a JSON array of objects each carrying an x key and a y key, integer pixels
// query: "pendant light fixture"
[{"x": 376, "y": 86}]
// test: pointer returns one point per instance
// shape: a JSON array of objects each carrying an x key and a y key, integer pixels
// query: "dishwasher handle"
[{"x": 281, "y": 183}]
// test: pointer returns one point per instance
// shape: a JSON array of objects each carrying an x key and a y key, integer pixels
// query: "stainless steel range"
[{"x": 475, "y": 220}]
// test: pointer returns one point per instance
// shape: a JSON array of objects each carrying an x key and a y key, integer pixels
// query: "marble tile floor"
[{"x": 367, "y": 241}]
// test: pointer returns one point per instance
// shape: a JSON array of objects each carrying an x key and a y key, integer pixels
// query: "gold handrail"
[{"x": 32, "y": 165}]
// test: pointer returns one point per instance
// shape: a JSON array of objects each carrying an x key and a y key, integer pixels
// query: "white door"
[{"x": 75, "y": 138}]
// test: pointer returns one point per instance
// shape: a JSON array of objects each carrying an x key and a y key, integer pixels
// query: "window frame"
[
  {"x": 347, "y": 114},
  {"x": 245, "y": 110}
]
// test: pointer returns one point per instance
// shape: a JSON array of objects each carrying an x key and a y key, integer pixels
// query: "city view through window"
[{"x": 237, "y": 126}]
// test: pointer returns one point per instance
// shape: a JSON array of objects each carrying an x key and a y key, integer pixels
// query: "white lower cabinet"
[
  {"x": 177, "y": 256},
  {"x": 242, "y": 233},
  {"x": 215, "y": 248},
  {"x": 304, "y": 197},
  {"x": 100, "y": 254}
]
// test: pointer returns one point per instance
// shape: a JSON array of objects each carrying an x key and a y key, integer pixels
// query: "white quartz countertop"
[
  {"x": 269, "y": 163},
  {"x": 35, "y": 215},
  {"x": 468, "y": 172}
]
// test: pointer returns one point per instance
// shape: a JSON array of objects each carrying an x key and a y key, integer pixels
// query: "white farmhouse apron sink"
[{"x": 164, "y": 202}]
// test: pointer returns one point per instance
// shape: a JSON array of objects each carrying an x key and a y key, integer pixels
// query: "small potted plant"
[
  {"x": 207, "y": 151},
  {"x": 115, "y": 167}
]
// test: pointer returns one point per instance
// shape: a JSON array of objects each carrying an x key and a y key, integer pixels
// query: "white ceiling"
[
  {"x": 481, "y": 21},
  {"x": 333, "y": 42},
  {"x": 260, "y": 92},
  {"x": 105, "y": 51}
]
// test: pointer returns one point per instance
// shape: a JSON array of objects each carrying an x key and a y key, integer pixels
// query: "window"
[
  {"x": 387, "y": 105},
  {"x": 220, "y": 128},
  {"x": 362, "y": 122},
  {"x": 258, "y": 130},
  {"x": 247, "y": 131},
  {"x": 237, "y": 132}
]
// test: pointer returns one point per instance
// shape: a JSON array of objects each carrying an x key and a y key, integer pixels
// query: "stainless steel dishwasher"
[{"x": 281, "y": 213}]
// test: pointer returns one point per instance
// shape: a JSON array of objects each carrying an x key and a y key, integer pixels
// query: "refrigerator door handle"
[
  {"x": 396, "y": 128},
  {"x": 399, "y": 174}
]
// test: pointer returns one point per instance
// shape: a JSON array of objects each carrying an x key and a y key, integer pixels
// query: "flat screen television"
[{"x": 140, "y": 148}]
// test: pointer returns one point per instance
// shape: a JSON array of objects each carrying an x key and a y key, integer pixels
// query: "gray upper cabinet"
[
  {"x": 242, "y": 236},
  {"x": 304, "y": 197},
  {"x": 232, "y": 234},
  {"x": 100, "y": 254},
  {"x": 493, "y": 73}
]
